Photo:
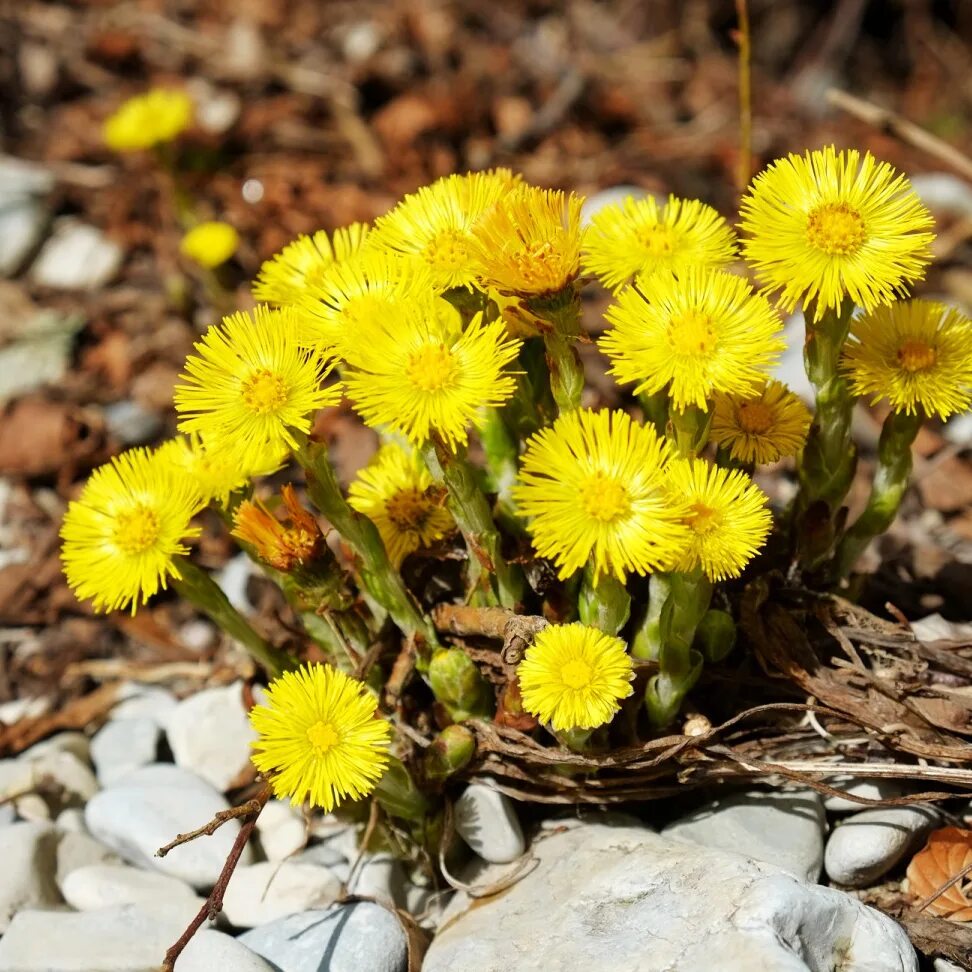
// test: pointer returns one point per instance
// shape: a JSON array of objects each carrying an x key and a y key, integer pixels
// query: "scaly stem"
[
  {"x": 648, "y": 638},
  {"x": 689, "y": 429},
  {"x": 606, "y": 604},
  {"x": 890, "y": 483},
  {"x": 499, "y": 445},
  {"x": 196, "y": 586},
  {"x": 383, "y": 582},
  {"x": 655, "y": 407},
  {"x": 562, "y": 311},
  {"x": 475, "y": 520}
]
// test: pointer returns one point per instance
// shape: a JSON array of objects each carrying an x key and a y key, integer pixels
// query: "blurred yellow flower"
[
  {"x": 157, "y": 116},
  {"x": 210, "y": 244},
  {"x": 761, "y": 428}
]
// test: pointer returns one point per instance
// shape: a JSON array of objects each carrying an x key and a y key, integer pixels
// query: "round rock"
[
  {"x": 210, "y": 951},
  {"x": 486, "y": 821},
  {"x": 281, "y": 830},
  {"x": 102, "y": 886},
  {"x": 29, "y": 855},
  {"x": 263, "y": 892},
  {"x": 124, "y": 745}
]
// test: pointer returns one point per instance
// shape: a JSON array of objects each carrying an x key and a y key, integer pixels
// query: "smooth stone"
[
  {"x": 878, "y": 789},
  {"x": 623, "y": 899},
  {"x": 944, "y": 965},
  {"x": 865, "y": 846},
  {"x": 76, "y": 257},
  {"x": 213, "y": 951},
  {"x": 71, "y": 821},
  {"x": 612, "y": 196},
  {"x": 17, "y": 709},
  {"x": 264, "y": 892},
  {"x": 209, "y": 733},
  {"x": 150, "y": 807},
  {"x": 120, "y": 939},
  {"x": 281, "y": 830},
  {"x": 104, "y": 886},
  {"x": 138, "y": 701},
  {"x": 59, "y": 768},
  {"x": 427, "y": 905},
  {"x": 124, "y": 745},
  {"x": 343, "y": 938},
  {"x": 382, "y": 877},
  {"x": 32, "y": 807},
  {"x": 75, "y": 743},
  {"x": 785, "y": 829},
  {"x": 22, "y": 224},
  {"x": 28, "y": 852},
  {"x": 130, "y": 423},
  {"x": 325, "y": 855},
  {"x": 7, "y": 814},
  {"x": 77, "y": 850},
  {"x": 487, "y": 822}
]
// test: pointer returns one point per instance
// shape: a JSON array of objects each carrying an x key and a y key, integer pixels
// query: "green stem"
[
  {"x": 196, "y": 586},
  {"x": 502, "y": 465},
  {"x": 651, "y": 633},
  {"x": 605, "y": 605},
  {"x": 377, "y": 574},
  {"x": 475, "y": 520},
  {"x": 689, "y": 429},
  {"x": 563, "y": 313},
  {"x": 890, "y": 483},
  {"x": 655, "y": 407}
]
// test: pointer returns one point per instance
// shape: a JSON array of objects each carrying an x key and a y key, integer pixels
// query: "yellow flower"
[
  {"x": 320, "y": 739},
  {"x": 420, "y": 377},
  {"x": 761, "y": 428},
  {"x": 639, "y": 237},
  {"x": 436, "y": 222},
  {"x": 210, "y": 244},
  {"x": 215, "y": 472},
  {"x": 828, "y": 225},
  {"x": 528, "y": 244},
  {"x": 370, "y": 285},
  {"x": 917, "y": 354},
  {"x": 251, "y": 385},
  {"x": 148, "y": 119},
  {"x": 396, "y": 492},
  {"x": 595, "y": 488},
  {"x": 702, "y": 332},
  {"x": 123, "y": 533},
  {"x": 574, "y": 677},
  {"x": 728, "y": 519},
  {"x": 285, "y": 277},
  {"x": 284, "y": 546}
]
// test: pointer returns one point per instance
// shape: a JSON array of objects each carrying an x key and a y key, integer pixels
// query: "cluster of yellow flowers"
[{"x": 461, "y": 309}]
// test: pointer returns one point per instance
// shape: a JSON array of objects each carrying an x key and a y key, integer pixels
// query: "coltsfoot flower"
[
  {"x": 761, "y": 428},
  {"x": 594, "y": 488},
  {"x": 828, "y": 225},
  {"x": 215, "y": 472},
  {"x": 283, "y": 545},
  {"x": 419, "y": 376},
  {"x": 702, "y": 332},
  {"x": 397, "y": 493},
  {"x": 251, "y": 386},
  {"x": 157, "y": 116},
  {"x": 284, "y": 278},
  {"x": 122, "y": 535},
  {"x": 574, "y": 677},
  {"x": 728, "y": 519},
  {"x": 320, "y": 739},
  {"x": 638, "y": 237},
  {"x": 917, "y": 354},
  {"x": 210, "y": 244}
]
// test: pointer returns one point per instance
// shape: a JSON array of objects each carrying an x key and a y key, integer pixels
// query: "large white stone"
[
  {"x": 138, "y": 701},
  {"x": 76, "y": 257},
  {"x": 209, "y": 733},
  {"x": 152, "y": 806},
  {"x": 51, "y": 771},
  {"x": 124, "y": 745},
  {"x": 263, "y": 892},
  {"x": 486, "y": 821},
  {"x": 281, "y": 830},
  {"x": 343, "y": 938},
  {"x": 379, "y": 876},
  {"x": 76, "y": 743},
  {"x": 120, "y": 939},
  {"x": 215, "y": 951},
  {"x": 103, "y": 886},
  {"x": 77, "y": 849},
  {"x": 868, "y": 844},
  {"x": 28, "y": 857},
  {"x": 879, "y": 789},
  {"x": 623, "y": 899},
  {"x": 785, "y": 829}
]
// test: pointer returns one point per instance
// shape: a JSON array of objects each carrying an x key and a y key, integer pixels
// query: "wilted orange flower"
[{"x": 285, "y": 544}]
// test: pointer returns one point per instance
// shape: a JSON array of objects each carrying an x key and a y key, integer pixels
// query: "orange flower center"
[
  {"x": 322, "y": 736},
  {"x": 576, "y": 674},
  {"x": 692, "y": 335},
  {"x": 264, "y": 392},
  {"x": 836, "y": 229},
  {"x": 916, "y": 356},
  {"x": 756, "y": 418},
  {"x": 604, "y": 498},
  {"x": 432, "y": 368},
  {"x": 136, "y": 529},
  {"x": 407, "y": 509}
]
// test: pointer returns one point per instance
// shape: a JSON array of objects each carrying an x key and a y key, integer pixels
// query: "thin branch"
[
  {"x": 948, "y": 884},
  {"x": 243, "y": 810}
]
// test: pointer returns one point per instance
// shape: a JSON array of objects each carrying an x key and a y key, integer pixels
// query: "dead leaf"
[
  {"x": 948, "y": 486},
  {"x": 946, "y": 853}
]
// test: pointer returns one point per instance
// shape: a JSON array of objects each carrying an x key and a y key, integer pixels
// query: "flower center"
[
  {"x": 322, "y": 736},
  {"x": 136, "y": 530},
  {"x": 407, "y": 509},
  {"x": 692, "y": 335},
  {"x": 604, "y": 498},
  {"x": 576, "y": 674},
  {"x": 916, "y": 356},
  {"x": 756, "y": 418},
  {"x": 836, "y": 228},
  {"x": 432, "y": 368},
  {"x": 448, "y": 251},
  {"x": 264, "y": 392},
  {"x": 658, "y": 240},
  {"x": 704, "y": 519}
]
